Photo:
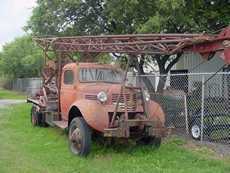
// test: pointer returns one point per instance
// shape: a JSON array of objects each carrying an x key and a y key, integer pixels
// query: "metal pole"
[
  {"x": 202, "y": 109},
  {"x": 186, "y": 114},
  {"x": 121, "y": 92}
]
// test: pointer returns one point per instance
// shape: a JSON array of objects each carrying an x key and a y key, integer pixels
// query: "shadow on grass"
[
  {"x": 129, "y": 147},
  {"x": 105, "y": 146}
]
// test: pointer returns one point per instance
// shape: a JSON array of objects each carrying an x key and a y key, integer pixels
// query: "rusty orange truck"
[{"x": 90, "y": 98}]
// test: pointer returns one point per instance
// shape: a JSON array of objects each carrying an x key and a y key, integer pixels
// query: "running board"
[{"x": 61, "y": 124}]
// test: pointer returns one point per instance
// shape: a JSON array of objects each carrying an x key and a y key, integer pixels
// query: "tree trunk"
[
  {"x": 161, "y": 61},
  {"x": 144, "y": 79},
  {"x": 164, "y": 70},
  {"x": 161, "y": 84}
]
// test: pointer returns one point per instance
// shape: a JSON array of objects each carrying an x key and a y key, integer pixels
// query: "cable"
[
  {"x": 197, "y": 65},
  {"x": 214, "y": 74}
]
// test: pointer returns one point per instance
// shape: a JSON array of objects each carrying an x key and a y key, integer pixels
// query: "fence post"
[
  {"x": 202, "y": 109},
  {"x": 186, "y": 114},
  {"x": 155, "y": 82}
]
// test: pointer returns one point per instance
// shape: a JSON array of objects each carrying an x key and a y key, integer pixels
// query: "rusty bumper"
[{"x": 123, "y": 131}]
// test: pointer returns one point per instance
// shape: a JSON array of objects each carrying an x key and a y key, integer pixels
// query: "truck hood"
[{"x": 95, "y": 88}]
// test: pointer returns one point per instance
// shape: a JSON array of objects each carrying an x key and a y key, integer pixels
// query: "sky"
[{"x": 13, "y": 16}]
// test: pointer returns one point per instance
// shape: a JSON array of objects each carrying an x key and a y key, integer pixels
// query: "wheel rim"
[
  {"x": 195, "y": 131},
  {"x": 75, "y": 138}
]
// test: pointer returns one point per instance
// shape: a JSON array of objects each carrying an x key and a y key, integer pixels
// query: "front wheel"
[{"x": 79, "y": 137}]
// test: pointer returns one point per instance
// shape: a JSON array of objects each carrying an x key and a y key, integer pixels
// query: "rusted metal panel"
[
  {"x": 121, "y": 132},
  {"x": 61, "y": 124},
  {"x": 140, "y": 43}
]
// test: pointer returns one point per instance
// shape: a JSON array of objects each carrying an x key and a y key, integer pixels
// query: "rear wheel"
[
  {"x": 37, "y": 118},
  {"x": 34, "y": 116},
  {"x": 79, "y": 137}
]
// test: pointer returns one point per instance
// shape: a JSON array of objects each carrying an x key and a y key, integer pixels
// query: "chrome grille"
[
  {"x": 91, "y": 97},
  {"x": 131, "y": 100}
]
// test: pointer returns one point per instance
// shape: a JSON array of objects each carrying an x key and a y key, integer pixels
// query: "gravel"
[{"x": 6, "y": 102}]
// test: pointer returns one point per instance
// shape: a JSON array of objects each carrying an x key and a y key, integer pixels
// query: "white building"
[{"x": 196, "y": 66}]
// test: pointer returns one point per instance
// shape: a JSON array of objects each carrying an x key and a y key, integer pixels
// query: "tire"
[
  {"x": 79, "y": 137},
  {"x": 195, "y": 130},
  {"x": 37, "y": 118},
  {"x": 34, "y": 116},
  {"x": 156, "y": 141}
]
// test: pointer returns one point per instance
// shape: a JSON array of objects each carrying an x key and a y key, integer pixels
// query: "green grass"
[
  {"x": 27, "y": 149},
  {"x": 6, "y": 94}
]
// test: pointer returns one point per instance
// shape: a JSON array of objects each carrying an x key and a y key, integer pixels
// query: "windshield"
[{"x": 100, "y": 74}]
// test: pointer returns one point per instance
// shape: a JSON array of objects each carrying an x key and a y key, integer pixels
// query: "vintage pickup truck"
[{"x": 89, "y": 98}]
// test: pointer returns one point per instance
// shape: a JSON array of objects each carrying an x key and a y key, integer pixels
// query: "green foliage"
[
  {"x": 104, "y": 58},
  {"x": 180, "y": 16},
  {"x": 125, "y": 16},
  {"x": 24, "y": 148},
  {"x": 209, "y": 15},
  {"x": 21, "y": 58},
  {"x": 6, "y": 94},
  {"x": 71, "y": 17},
  {"x": 152, "y": 24}
]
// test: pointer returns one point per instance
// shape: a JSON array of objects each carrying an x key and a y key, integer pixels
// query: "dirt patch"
[
  {"x": 221, "y": 150},
  {"x": 215, "y": 151},
  {"x": 5, "y": 102}
]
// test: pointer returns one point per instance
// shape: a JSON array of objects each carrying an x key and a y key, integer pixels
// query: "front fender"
[
  {"x": 94, "y": 114},
  {"x": 155, "y": 112}
]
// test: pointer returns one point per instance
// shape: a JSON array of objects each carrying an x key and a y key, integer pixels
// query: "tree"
[
  {"x": 167, "y": 16},
  {"x": 150, "y": 17},
  {"x": 209, "y": 15},
  {"x": 21, "y": 58},
  {"x": 74, "y": 17},
  {"x": 68, "y": 18}
]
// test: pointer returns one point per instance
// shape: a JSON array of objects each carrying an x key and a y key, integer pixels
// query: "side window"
[{"x": 68, "y": 77}]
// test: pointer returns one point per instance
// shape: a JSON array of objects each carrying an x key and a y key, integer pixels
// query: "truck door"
[{"x": 68, "y": 92}]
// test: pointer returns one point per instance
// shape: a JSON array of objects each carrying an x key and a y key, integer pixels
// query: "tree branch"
[{"x": 173, "y": 62}]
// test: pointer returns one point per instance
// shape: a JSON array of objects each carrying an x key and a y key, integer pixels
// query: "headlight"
[
  {"x": 102, "y": 96},
  {"x": 146, "y": 95}
]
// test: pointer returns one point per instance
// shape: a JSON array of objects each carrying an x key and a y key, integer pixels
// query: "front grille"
[
  {"x": 131, "y": 101},
  {"x": 91, "y": 97}
]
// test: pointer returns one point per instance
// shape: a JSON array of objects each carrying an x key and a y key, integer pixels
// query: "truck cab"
[
  {"x": 93, "y": 90},
  {"x": 88, "y": 85}
]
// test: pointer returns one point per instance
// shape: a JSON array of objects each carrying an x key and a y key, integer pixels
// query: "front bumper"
[{"x": 123, "y": 131}]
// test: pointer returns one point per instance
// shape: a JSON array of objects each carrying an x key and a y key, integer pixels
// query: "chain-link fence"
[
  {"x": 195, "y": 105},
  {"x": 27, "y": 85}
]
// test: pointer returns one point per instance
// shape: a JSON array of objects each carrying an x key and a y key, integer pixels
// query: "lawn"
[
  {"x": 26, "y": 149},
  {"x": 6, "y": 94}
]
